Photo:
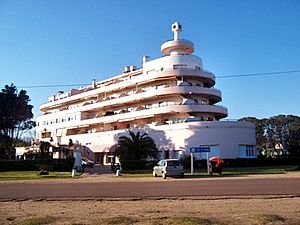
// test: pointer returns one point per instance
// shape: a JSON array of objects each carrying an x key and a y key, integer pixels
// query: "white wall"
[
  {"x": 227, "y": 135},
  {"x": 167, "y": 62}
]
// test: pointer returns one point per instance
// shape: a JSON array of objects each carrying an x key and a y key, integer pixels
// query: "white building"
[{"x": 171, "y": 98}]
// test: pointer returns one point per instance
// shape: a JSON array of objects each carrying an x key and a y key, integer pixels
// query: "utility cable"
[
  {"x": 218, "y": 77},
  {"x": 258, "y": 74}
]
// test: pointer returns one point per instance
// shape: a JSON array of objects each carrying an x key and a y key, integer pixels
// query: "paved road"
[{"x": 149, "y": 189}]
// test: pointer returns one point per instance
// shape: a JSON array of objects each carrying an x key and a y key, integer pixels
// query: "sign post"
[
  {"x": 207, "y": 162},
  {"x": 207, "y": 150},
  {"x": 199, "y": 150},
  {"x": 192, "y": 163},
  {"x": 192, "y": 151}
]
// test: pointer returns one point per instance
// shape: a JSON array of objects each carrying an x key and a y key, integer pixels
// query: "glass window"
[
  {"x": 179, "y": 66},
  {"x": 173, "y": 163}
]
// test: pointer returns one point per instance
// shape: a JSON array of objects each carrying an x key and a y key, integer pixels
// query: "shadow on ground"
[{"x": 97, "y": 170}]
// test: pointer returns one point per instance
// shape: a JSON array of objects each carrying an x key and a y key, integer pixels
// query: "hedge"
[
  {"x": 137, "y": 164},
  {"x": 62, "y": 165},
  {"x": 242, "y": 162}
]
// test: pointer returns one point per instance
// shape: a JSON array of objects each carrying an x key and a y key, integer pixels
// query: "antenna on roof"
[{"x": 176, "y": 28}]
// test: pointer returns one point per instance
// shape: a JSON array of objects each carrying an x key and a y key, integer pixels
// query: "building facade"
[{"x": 171, "y": 98}]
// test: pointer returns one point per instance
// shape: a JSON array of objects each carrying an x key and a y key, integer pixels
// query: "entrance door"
[{"x": 99, "y": 157}]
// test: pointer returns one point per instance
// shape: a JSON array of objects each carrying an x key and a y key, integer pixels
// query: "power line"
[
  {"x": 258, "y": 74},
  {"x": 218, "y": 77}
]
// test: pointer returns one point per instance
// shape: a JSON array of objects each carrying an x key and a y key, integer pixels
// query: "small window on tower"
[{"x": 179, "y": 66}]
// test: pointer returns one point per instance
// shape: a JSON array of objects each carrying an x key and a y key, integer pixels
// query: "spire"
[
  {"x": 177, "y": 46},
  {"x": 176, "y": 28}
]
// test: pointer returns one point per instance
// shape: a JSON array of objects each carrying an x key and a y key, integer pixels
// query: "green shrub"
[
  {"x": 62, "y": 165},
  {"x": 242, "y": 162},
  {"x": 134, "y": 164}
]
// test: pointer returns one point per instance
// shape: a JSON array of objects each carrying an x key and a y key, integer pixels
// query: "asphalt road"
[{"x": 151, "y": 189}]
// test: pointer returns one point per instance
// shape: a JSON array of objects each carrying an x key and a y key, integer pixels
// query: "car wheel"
[
  {"x": 154, "y": 174},
  {"x": 182, "y": 175},
  {"x": 164, "y": 176}
]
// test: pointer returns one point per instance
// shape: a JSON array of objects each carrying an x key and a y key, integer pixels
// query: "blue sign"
[
  {"x": 199, "y": 149},
  {"x": 194, "y": 149},
  {"x": 204, "y": 149}
]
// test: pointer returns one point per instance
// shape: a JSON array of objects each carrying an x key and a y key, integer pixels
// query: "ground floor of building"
[{"x": 204, "y": 139}]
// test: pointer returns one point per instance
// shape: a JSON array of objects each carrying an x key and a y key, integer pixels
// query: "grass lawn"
[
  {"x": 32, "y": 175},
  {"x": 226, "y": 171}
]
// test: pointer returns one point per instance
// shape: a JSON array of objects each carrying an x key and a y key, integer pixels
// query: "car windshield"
[{"x": 173, "y": 163}]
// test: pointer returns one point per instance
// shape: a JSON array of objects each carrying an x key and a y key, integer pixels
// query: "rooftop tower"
[{"x": 177, "y": 46}]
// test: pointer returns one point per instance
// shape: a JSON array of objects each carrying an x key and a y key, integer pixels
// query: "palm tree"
[{"x": 136, "y": 147}]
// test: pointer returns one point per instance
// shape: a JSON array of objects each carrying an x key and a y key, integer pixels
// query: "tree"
[
  {"x": 283, "y": 133},
  {"x": 15, "y": 117},
  {"x": 260, "y": 126},
  {"x": 278, "y": 133},
  {"x": 136, "y": 147}
]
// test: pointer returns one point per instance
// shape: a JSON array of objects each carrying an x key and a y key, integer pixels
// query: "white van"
[{"x": 168, "y": 167}]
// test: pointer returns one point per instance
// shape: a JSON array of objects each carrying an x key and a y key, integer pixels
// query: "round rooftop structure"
[{"x": 177, "y": 46}]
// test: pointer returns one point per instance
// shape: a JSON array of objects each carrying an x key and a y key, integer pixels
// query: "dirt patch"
[{"x": 164, "y": 211}]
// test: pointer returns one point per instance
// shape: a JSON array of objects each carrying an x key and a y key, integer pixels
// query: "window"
[
  {"x": 179, "y": 66},
  {"x": 173, "y": 163},
  {"x": 247, "y": 151},
  {"x": 214, "y": 151}
]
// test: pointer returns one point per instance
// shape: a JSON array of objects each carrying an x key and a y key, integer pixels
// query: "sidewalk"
[{"x": 96, "y": 171}]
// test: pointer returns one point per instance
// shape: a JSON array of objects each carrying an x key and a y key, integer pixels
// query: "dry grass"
[
  {"x": 119, "y": 220},
  {"x": 37, "y": 221},
  {"x": 263, "y": 219},
  {"x": 153, "y": 212}
]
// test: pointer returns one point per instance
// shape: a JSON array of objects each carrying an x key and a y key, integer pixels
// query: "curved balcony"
[
  {"x": 141, "y": 112},
  {"x": 214, "y": 110},
  {"x": 181, "y": 44},
  {"x": 213, "y": 95},
  {"x": 202, "y": 75}
]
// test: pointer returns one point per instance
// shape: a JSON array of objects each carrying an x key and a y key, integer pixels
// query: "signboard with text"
[
  {"x": 200, "y": 149},
  {"x": 204, "y": 149}
]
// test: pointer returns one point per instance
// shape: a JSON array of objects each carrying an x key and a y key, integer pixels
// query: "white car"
[
  {"x": 86, "y": 162},
  {"x": 168, "y": 167}
]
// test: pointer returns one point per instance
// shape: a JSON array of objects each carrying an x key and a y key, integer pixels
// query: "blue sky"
[{"x": 72, "y": 42}]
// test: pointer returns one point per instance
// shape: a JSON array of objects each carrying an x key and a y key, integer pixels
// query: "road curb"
[{"x": 156, "y": 198}]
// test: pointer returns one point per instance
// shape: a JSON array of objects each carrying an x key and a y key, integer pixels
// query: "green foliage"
[
  {"x": 186, "y": 220},
  {"x": 32, "y": 175},
  {"x": 38, "y": 221},
  {"x": 248, "y": 162},
  {"x": 15, "y": 118},
  {"x": 242, "y": 162},
  {"x": 37, "y": 164},
  {"x": 267, "y": 218},
  {"x": 186, "y": 161},
  {"x": 121, "y": 220},
  {"x": 134, "y": 164},
  {"x": 278, "y": 133},
  {"x": 43, "y": 152},
  {"x": 136, "y": 147}
]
